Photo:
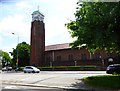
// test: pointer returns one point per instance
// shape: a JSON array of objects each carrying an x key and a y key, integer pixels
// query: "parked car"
[
  {"x": 4, "y": 69},
  {"x": 7, "y": 68},
  {"x": 31, "y": 69},
  {"x": 113, "y": 69}
]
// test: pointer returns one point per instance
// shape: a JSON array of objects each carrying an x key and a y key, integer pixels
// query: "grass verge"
[{"x": 106, "y": 81}]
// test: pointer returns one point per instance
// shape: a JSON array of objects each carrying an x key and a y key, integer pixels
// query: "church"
[{"x": 60, "y": 54}]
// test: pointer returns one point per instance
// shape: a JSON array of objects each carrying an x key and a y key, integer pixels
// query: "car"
[
  {"x": 4, "y": 69},
  {"x": 113, "y": 69},
  {"x": 31, "y": 69},
  {"x": 7, "y": 68}
]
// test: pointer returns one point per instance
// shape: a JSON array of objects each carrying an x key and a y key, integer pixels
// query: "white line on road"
[
  {"x": 24, "y": 79},
  {"x": 10, "y": 87}
]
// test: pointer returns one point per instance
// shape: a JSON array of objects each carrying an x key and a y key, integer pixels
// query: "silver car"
[
  {"x": 7, "y": 68},
  {"x": 31, "y": 69}
]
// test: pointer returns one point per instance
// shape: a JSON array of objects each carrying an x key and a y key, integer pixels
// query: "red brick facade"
[
  {"x": 37, "y": 43},
  {"x": 75, "y": 57}
]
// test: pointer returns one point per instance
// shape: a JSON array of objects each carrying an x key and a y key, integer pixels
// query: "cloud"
[
  {"x": 14, "y": 23},
  {"x": 9, "y": 48},
  {"x": 66, "y": 5},
  {"x": 56, "y": 32},
  {"x": 23, "y": 5},
  {"x": 1, "y": 40},
  {"x": 17, "y": 19}
]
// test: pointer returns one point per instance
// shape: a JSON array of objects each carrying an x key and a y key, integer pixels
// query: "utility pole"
[{"x": 17, "y": 60}]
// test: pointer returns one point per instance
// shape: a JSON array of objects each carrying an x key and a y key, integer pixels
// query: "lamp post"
[
  {"x": 102, "y": 60},
  {"x": 110, "y": 61},
  {"x": 1, "y": 62},
  {"x": 17, "y": 60},
  {"x": 75, "y": 63}
]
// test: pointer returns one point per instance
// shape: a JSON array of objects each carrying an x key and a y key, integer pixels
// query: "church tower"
[{"x": 37, "y": 48}]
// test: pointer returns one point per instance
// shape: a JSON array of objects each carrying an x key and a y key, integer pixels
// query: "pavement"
[
  {"x": 79, "y": 87},
  {"x": 66, "y": 82}
]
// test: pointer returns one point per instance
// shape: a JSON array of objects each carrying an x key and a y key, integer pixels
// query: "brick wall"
[
  {"x": 62, "y": 58},
  {"x": 37, "y": 43}
]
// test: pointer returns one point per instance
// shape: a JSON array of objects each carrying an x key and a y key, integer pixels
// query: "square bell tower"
[{"x": 37, "y": 47}]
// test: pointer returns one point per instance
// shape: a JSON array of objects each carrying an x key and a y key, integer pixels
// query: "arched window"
[
  {"x": 70, "y": 57},
  {"x": 58, "y": 58},
  {"x": 83, "y": 57},
  {"x": 48, "y": 58},
  {"x": 97, "y": 56}
]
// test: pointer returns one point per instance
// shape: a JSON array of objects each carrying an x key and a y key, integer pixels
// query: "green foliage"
[
  {"x": 23, "y": 51},
  {"x": 97, "y": 26},
  {"x": 6, "y": 60},
  {"x": 106, "y": 81}
]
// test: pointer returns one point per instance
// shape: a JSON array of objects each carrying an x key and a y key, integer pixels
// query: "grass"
[{"x": 106, "y": 81}]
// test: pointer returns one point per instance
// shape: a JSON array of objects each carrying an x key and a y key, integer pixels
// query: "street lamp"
[
  {"x": 102, "y": 60},
  {"x": 17, "y": 51},
  {"x": 1, "y": 62},
  {"x": 75, "y": 63}
]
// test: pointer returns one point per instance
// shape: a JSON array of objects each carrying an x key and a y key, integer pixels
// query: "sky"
[{"x": 15, "y": 17}]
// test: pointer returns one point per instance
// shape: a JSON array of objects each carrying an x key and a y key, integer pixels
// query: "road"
[
  {"x": 46, "y": 79},
  {"x": 8, "y": 87}
]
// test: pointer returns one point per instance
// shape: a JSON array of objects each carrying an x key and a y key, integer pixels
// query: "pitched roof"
[
  {"x": 37, "y": 12},
  {"x": 57, "y": 47}
]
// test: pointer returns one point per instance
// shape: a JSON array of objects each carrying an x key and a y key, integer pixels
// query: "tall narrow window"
[
  {"x": 83, "y": 56},
  {"x": 48, "y": 59},
  {"x": 58, "y": 58},
  {"x": 70, "y": 57},
  {"x": 97, "y": 55}
]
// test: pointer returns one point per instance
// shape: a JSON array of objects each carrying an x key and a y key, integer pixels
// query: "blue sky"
[{"x": 15, "y": 17}]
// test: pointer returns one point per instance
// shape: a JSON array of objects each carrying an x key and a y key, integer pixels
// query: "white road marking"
[
  {"x": 10, "y": 87},
  {"x": 24, "y": 79}
]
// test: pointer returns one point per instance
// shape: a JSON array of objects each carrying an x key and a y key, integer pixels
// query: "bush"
[{"x": 72, "y": 68}]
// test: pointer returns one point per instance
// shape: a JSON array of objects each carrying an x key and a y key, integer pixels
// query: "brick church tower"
[{"x": 37, "y": 49}]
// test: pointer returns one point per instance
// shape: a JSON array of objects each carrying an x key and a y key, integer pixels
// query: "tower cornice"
[{"x": 37, "y": 15}]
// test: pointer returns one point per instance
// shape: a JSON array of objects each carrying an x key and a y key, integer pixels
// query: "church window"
[
  {"x": 58, "y": 58},
  {"x": 97, "y": 55},
  {"x": 48, "y": 59},
  {"x": 83, "y": 56},
  {"x": 70, "y": 57}
]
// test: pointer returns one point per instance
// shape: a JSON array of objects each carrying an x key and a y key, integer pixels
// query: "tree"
[
  {"x": 23, "y": 50},
  {"x": 97, "y": 26},
  {"x": 0, "y": 59},
  {"x": 6, "y": 60}
]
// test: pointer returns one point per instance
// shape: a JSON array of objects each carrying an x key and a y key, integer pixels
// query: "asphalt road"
[{"x": 47, "y": 80}]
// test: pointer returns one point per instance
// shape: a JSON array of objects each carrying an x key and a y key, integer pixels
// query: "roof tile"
[{"x": 57, "y": 47}]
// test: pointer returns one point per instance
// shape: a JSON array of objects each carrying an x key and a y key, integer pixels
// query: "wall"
[
  {"x": 80, "y": 57},
  {"x": 37, "y": 43}
]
